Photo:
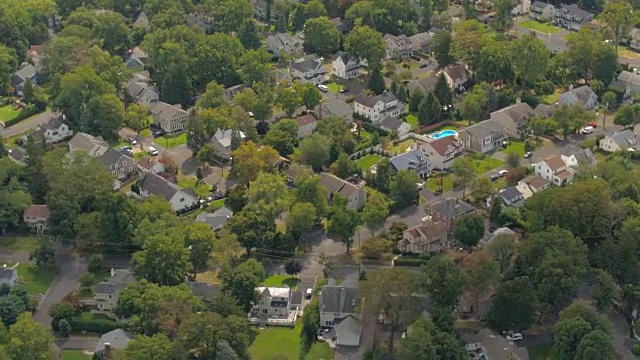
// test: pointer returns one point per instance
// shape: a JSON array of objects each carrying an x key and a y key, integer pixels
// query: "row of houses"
[{"x": 567, "y": 16}]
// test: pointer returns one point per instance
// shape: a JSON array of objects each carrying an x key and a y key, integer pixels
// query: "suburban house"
[
  {"x": 485, "y": 344},
  {"x": 8, "y": 276},
  {"x": 170, "y": 118},
  {"x": 448, "y": 210},
  {"x": 441, "y": 152},
  {"x": 294, "y": 172},
  {"x": 398, "y": 47},
  {"x": 308, "y": 71},
  {"x": 483, "y": 137},
  {"x": 117, "y": 339},
  {"x": 424, "y": 84},
  {"x": 503, "y": 231},
  {"x": 231, "y": 92},
  {"x": 554, "y": 170},
  {"x": 273, "y": 303},
  {"x": 181, "y": 200},
  {"x": 53, "y": 131},
  {"x": 107, "y": 291},
  {"x": 142, "y": 21},
  {"x": 532, "y": 184},
  {"x": 18, "y": 155},
  {"x": 545, "y": 110},
  {"x": 457, "y": 76},
  {"x": 356, "y": 195},
  {"x": 336, "y": 107},
  {"x": 347, "y": 66},
  {"x": 392, "y": 123},
  {"x": 421, "y": 41},
  {"x": 340, "y": 25},
  {"x": 621, "y": 141},
  {"x": 514, "y": 119},
  {"x": 375, "y": 108},
  {"x": 20, "y": 77},
  {"x": 197, "y": 19},
  {"x": 573, "y": 155},
  {"x": 94, "y": 146},
  {"x": 136, "y": 58},
  {"x": 37, "y": 217},
  {"x": 141, "y": 89},
  {"x": 634, "y": 39},
  {"x": 221, "y": 141},
  {"x": 521, "y": 7},
  {"x": 216, "y": 219},
  {"x": 284, "y": 44},
  {"x": 427, "y": 237},
  {"x": 150, "y": 165},
  {"x": 541, "y": 11},
  {"x": 511, "y": 196},
  {"x": 627, "y": 82},
  {"x": 118, "y": 163},
  {"x": 306, "y": 125},
  {"x": 414, "y": 160},
  {"x": 338, "y": 305},
  {"x": 581, "y": 96},
  {"x": 571, "y": 17},
  {"x": 260, "y": 8}
]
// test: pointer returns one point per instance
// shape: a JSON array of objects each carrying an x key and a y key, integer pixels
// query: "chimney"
[
  {"x": 107, "y": 351},
  {"x": 113, "y": 272},
  {"x": 518, "y": 100},
  {"x": 570, "y": 87},
  {"x": 343, "y": 295},
  {"x": 635, "y": 71}
]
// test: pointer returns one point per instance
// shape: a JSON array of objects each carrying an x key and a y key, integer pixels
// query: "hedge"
[
  {"x": 93, "y": 325},
  {"x": 25, "y": 113},
  {"x": 409, "y": 261}
]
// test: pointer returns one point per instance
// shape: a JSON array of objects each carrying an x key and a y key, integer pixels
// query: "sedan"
[
  {"x": 494, "y": 177},
  {"x": 528, "y": 154},
  {"x": 514, "y": 337},
  {"x": 133, "y": 141},
  {"x": 503, "y": 173}
]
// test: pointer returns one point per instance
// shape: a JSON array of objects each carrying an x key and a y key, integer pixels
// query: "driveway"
[
  {"x": 25, "y": 125},
  {"x": 182, "y": 156}
]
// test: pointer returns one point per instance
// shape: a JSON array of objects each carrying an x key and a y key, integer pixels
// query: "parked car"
[
  {"x": 133, "y": 141},
  {"x": 494, "y": 177},
  {"x": 323, "y": 88},
  {"x": 344, "y": 90},
  {"x": 528, "y": 154},
  {"x": 587, "y": 130},
  {"x": 309, "y": 294},
  {"x": 420, "y": 186},
  {"x": 158, "y": 133},
  {"x": 503, "y": 173},
  {"x": 514, "y": 336},
  {"x": 152, "y": 151}
]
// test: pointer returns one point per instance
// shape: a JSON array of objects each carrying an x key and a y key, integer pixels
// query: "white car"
[
  {"x": 514, "y": 337},
  {"x": 587, "y": 130},
  {"x": 503, "y": 173},
  {"x": 152, "y": 151},
  {"x": 420, "y": 186},
  {"x": 323, "y": 88}
]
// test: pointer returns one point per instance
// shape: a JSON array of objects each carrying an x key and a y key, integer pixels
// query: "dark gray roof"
[
  {"x": 341, "y": 298},
  {"x": 117, "y": 339},
  {"x": 54, "y": 123},
  {"x": 120, "y": 279},
  {"x": 409, "y": 160},
  {"x": 217, "y": 219},
  {"x": 629, "y": 77},
  {"x": 370, "y": 101},
  {"x": 202, "y": 289},
  {"x": 544, "y": 110},
  {"x": 511, "y": 195},
  {"x": 6, "y": 273},
  {"x": 306, "y": 65},
  {"x": 624, "y": 139},
  {"x": 157, "y": 185},
  {"x": 451, "y": 207},
  {"x": 579, "y": 153},
  {"x": 337, "y": 107},
  {"x": 26, "y": 72},
  {"x": 391, "y": 123},
  {"x": 296, "y": 298},
  {"x": 112, "y": 157},
  {"x": 539, "y": 4},
  {"x": 574, "y": 10},
  {"x": 18, "y": 154},
  {"x": 348, "y": 325},
  {"x": 581, "y": 94},
  {"x": 484, "y": 128}
]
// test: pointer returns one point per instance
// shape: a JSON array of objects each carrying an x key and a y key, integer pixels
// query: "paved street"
[
  {"x": 77, "y": 343},
  {"x": 25, "y": 125}
]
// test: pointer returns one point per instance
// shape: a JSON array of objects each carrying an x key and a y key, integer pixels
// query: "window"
[
  {"x": 124, "y": 163},
  {"x": 264, "y": 311},
  {"x": 181, "y": 199}
]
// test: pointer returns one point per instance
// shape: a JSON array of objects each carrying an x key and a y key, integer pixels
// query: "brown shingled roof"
[
  {"x": 554, "y": 162},
  {"x": 535, "y": 181},
  {"x": 442, "y": 145},
  {"x": 305, "y": 120},
  {"x": 37, "y": 211}
]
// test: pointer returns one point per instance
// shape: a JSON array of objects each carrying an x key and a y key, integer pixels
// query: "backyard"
[
  {"x": 400, "y": 147},
  {"x": 433, "y": 183},
  {"x": 282, "y": 343},
  {"x": 171, "y": 141},
  {"x": 485, "y": 164},
  {"x": 8, "y": 113},
  {"x": 281, "y": 280},
  {"x": 366, "y": 162},
  {"x": 75, "y": 355},
  {"x": 538, "y": 26},
  {"x": 187, "y": 181},
  {"x": 412, "y": 120},
  {"x": 552, "y": 98},
  {"x": 36, "y": 281}
]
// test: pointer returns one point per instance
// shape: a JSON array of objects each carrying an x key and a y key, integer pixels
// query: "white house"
[
  {"x": 94, "y": 146},
  {"x": 309, "y": 70},
  {"x": 621, "y": 141},
  {"x": 573, "y": 156},
  {"x": 375, "y": 108},
  {"x": 273, "y": 302},
  {"x": 414, "y": 160},
  {"x": 347, "y": 66},
  {"x": 141, "y": 89},
  {"x": 180, "y": 199},
  {"x": 336, "y": 302},
  {"x": 429, "y": 236},
  {"x": 580, "y": 96},
  {"x": 147, "y": 164},
  {"x": 107, "y": 291},
  {"x": 441, "y": 152},
  {"x": 170, "y": 118},
  {"x": 541, "y": 11},
  {"x": 571, "y": 17},
  {"x": 37, "y": 217},
  {"x": 532, "y": 184},
  {"x": 398, "y": 47},
  {"x": 54, "y": 131},
  {"x": 392, "y": 123},
  {"x": 554, "y": 170},
  {"x": 306, "y": 125}
]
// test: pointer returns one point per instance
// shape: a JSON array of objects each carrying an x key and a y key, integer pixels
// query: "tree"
[
  {"x": 626, "y": 115},
  {"x": 201, "y": 333},
  {"x": 444, "y": 282},
  {"x": 596, "y": 344},
  {"x": 571, "y": 118},
  {"x": 242, "y": 280},
  {"x": 343, "y": 222},
  {"x": 403, "y": 188},
  {"x": 288, "y": 97},
  {"x": 137, "y": 117},
  {"x": 375, "y": 210},
  {"x": 578, "y": 330},
  {"x": 268, "y": 195},
  {"x": 376, "y": 82},
  {"x": 29, "y": 340},
  {"x": 104, "y": 115},
  {"x": 213, "y": 96},
  {"x": 311, "y": 96},
  {"x": 382, "y": 180},
  {"x": 442, "y": 92},
  {"x": 503, "y": 13},
  {"x": 175, "y": 83},
  {"x": 426, "y": 7},
  {"x": 344, "y": 167},
  {"x": 249, "y": 161},
  {"x": 313, "y": 150},
  {"x": 199, "y": 239},
  {"x": 618, "y": 17},
  {"x": 430, "y": 110},
  {"x": 157, "y": 347},
  {"x": 301, "y": 218},
  {"x": 513, "y": 159},
  {"x": 469, "y": 229},
  {"x": 321, "y": 36},
  {"x": 441, "y": 48},
  {"x": 315, "y": 9},
  {"x": 64, "y": 327},
  {"x": 282, "y": 136},
  {"x": 224, "y": 351},
  {"x": 402, "y": 94},
  {"x": 44, "y": 255},
  {"x": 605, "y": 289},
  {"x": 366, "y": 43},
  {"x": 11, "y": 306},
  {"x": 464, "y": 172},
  {"x": 229, "y": 15},
  {"x": 8, "y": 63},
  {"x": 529, "y": 58},
  {"x": 207, "y": 154},
  {"x": 308, "y": 189},
  {"x": 609, "y": 98},
  {"x": 481, "y": 188},
  {"x": 252, "y": 227},
  {"x": 514, "y": 306},
  {"x": 112, "y": 30},
  {"x": 503, "y": 248},
  {"x": 163, "y": 260},
  {"x": 13, "y": 201},
  {"x": 391, "y": 292},
  {"x": 292, "y": 267},
  {"x": 483, "y": 273},
  {"x": 475, "y": 104}
]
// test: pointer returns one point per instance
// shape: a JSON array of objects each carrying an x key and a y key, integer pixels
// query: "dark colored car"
[
  {"x": 528, "y": 154},
  {"x": 494, "y": 177}
]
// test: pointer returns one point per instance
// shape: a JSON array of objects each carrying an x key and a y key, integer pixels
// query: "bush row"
[
  {"x": 93, "y": 325},
  {"x": 25, "y": 113},
  {"x": 409, "y": 261}
]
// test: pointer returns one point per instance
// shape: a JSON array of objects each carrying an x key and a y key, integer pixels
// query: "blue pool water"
[{"x": 444, "y": 133}]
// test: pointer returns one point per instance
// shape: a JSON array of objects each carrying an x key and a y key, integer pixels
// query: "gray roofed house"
[
  {"x": 18, "y": 155},
  {"x": 424, "y": 84},
  {"x": 296, "y": 300},
  {"x": 512, "y": 197},
  {"x": 201, "y": 21},
  {"x": 180, "y": 199},
  {"x": 53, "y": 131},
  {"x": 392, "y": 123},
  {"x": 421, "y": 41},
  {"x": 113, "y": 340},
  {"x": 544, "y": 110},
  {"x": 142, "y": 20},
  {"x": 119, "y": 164},
  {"x": 336, "y": 302},
  {"x": 414, "y": 160},
  {"x": 627, "y": 82},
  {"x": 484, "y": 137},
  {"x": 310, "y": 69},
  {"x": 573, "y": 155},
  {"x": 340, "y": 25},
  {"x": 221, "y": 141},
  {"x": 489, "y": 237},
  {"x": 336, "y": 107},
  {"x": 95, "y": 146},
  {"x": 141, "y": 88},
  {"x": 217, "y": 219},
  {"x": 356, "y": 195},
  {"x": 203, "y": 290},
  {"x": 571, "y": 17},
  {"x": 284, "y": 44},
  {"x": 136, "y": 58},
  {"x": 514, "y": 118},
  {"x": 27, "y": 72},
  {"x": 348, "y": 330},
  {"x": 448, "y": 210},
  {"x": 231, "y": 92},
  {"x": 171, "y": 118},
  {"x": 8, "y": 276},
  {"x": 107, "y": 292},
  {"x": 582, "y": 95},
  {"x": 626, "y": 140},
  {"x": 376, "y": 108}
]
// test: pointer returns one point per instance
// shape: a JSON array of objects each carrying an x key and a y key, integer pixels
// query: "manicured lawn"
[
  {"x": 539, "y": 352},
  {"x": 541, "y": 27},
  {"x": 216, "y": 204},
  {"x": 516, "y": 146},
  {"x": 75, "y": 355},
  {"x": 413, "y": 121},
  {"x": 118, "y": 143},
  {"x": 171, "y": 141},
  {"x": 334, "y": 88},
  {"x": 366, "y": 162},
  {"x": 628, "y": 53},
  {"x": 276, "y": 343},
  {"x": 402, "y": 146},
  {"x": 486, "y": 164},
  {"x": 433, "y": 183},
  {"x": 36, "y": 281},
  {"x": 280, "y": 280},
  {"x": 552, "y": 98},
  {"x": 320, "y": 351},
  {"x": 185, "y": 181},
  {"x": 19, "y": 243},
  {"x": 145, "y": 133},
  {"x": 7, "y": 113}
]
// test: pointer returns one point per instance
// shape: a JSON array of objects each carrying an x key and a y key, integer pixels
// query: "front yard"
[
  {"x": 75, "y": 355},
  {"x": 488, "y": 163},
  {"x": 36, "y": 281},
  {"x": 433, "y": 183},
  {"x": 281, "y": 280},
  {"x": 515, "y": 146},
  {"x": 171, "y": 141},
  {"x": 366, "y": 162},
  {"x": 541, "y": 27},
  {"x": 187, "y": 181},
  {"x": 8, "y": 113},
  {"x": 629, "y": 54}
]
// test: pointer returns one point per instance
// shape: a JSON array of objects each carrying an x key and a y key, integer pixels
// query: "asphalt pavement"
[{"x": 25, "y": 125}]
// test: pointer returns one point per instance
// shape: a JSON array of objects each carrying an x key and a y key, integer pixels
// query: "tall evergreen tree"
[
  {"x": 248, "y": 35},
  {"x": 430, "y": 110},
  {"x": 401, "y": 93},
  {"x": 376, "y": 82},
  {"x": 442, "y": 91},
  {"x": 416, "y": 99}
]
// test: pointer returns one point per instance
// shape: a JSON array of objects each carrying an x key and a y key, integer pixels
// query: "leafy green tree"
[
  {"x": 529, "y": 58},
  {"x": 416, "y": 100},
  {"x": 483, "y": 273},
  {"x": 513, "y": 306},
  {"x": 605, "y": 289},
  {"x": 503, "y": 248},
  {"x": 249, "y": 161},
  {"x": 315, "y": 9},
  {"x": 268, "y": 195},
  {"x": 619, "y": 17},
  {"x": 596, "y": 344},
  {"x": 403, "y": 188},
  {"x": 443, "y": 92},
  {"x": 253, "y": 227},
  {"x": 426, "y": 12},
  {"x": 343, "y": 222},
  {"x": 321, "y": 36},
  {"x": 475, "y": 105},
  {"x": 309, "y": 190},
  {"x": 137, "y": 117},
  {"x": 344, "y": 167},
  {"x": 482, "y": 188},
  {"x": 367, "y": 43},
  {"x": 609, "y": 98},
  {"x": 11, "y": 308},
  {"x": 213, "y": 96},
  {"x": 162, "y": 260},
  {"x": 469, "y": 229},
  {"x": 175, "y": 84},
  {"x": 441, "y": 48},
  {"x": 29, "y": 340},
  {"x": 503, "y": 13},
  {"x": 8, "y": 62},
  {"x": 13, "y": 201},
  {"x": 254, "y": 66},
  {"x": 242, "y": 280},
  {"x": 288, "y": 97},
  {"x": 104, "y": 115},
  {"x": 199, "y": 239},
  {"x": 382, "y": 180},
  {"x": 111, "y": 28},
  {"x": 44, "y": 255},
  {"x": 311, "y": 96},
  {"x": 626, "y": 115},
  {"x": 430, "y": 110},
  {"x": 201, "y": 334},
  {"x": 224, "y": 351},
  {"x": 402, "y": 94},
  {"x": 229, "y": 15},
  {"x": 301, "y": 218},
  {"x": 444, "y": 282},
  {"x": 157, "y": 347},
  {"x": 313, "y": 150},
  {"x": 376, "y": 82},
  {"x": 375, "y": 210},
  {"x": 282, "y": 136},
  {"x": 464, "y": 172}
]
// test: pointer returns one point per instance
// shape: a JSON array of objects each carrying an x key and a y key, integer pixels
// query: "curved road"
[{"x": 26, "y": 125}]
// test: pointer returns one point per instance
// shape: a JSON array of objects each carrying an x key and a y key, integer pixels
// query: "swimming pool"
[{"x": 444, "y": 133}]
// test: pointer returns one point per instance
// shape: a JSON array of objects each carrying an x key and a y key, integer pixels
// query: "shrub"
[
  {"x": 636, "y": 349},
  {"x": 93, "y": 325},
  {"x": 409, "y": 262},
  {"x": 95, "y": 264},
  {"x": 64, "y": 327},
  {"x": 25, "y": 113},
  {"x": 588, "y": 144},
  {"x": 87, "y": 280}
]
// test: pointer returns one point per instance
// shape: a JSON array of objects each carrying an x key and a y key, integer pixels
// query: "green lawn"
[
  {"x": 447, "y": 183},
  {"x": 36, "y": 281},
  {"x": 116, "y": 144},
  {"x": 539, "y": 352},
  {"x": 628, "y": 53},
  {"x": 552, "y": 98},
  {"x": 185, "y": 181},
  {"x": 366, "y": 162},
  {"x": 8, "y": 113},
  {"x": 486, "y": 164},
  {"x": 280, "y": 280},
  {"x": 320, "y": 351},
  {"x": 334, "y": 88},
  {"x": 75, "y": 355},
  {"x": 541, "y": 27},
  {"x": 276, "y": 343},
  {"x": 401, "y": 147},
  {"x": 171, "y": 141},
  {"x": 19, "y": 243},
  {"x": 516, "y": 146},
  {"x": 413, "y": 121}
]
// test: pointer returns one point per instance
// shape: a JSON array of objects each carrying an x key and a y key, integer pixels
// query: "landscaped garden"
[
  {"x": 187, "y": 181},
  {"x": 366, "y": 162},
  {"x": 538, "y": 26},
  {"x": 171, "y": 141}
]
